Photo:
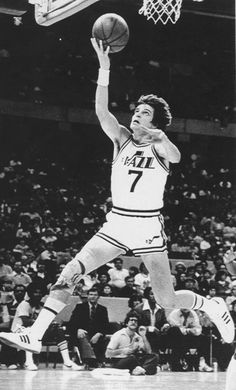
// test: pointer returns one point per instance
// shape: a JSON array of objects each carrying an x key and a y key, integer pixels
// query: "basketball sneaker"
[
  {"x": 22, "y": 339},
  {"x": 222, "y": 319}
]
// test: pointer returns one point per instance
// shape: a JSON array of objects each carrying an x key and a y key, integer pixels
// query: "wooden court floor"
[{"x": 57, "y": 379}]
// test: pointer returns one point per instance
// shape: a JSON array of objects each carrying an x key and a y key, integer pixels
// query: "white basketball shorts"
[{"x": 141, "y": 235}]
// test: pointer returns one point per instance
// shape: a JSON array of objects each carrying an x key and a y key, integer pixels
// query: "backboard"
[{"x": 48, "y": 12}]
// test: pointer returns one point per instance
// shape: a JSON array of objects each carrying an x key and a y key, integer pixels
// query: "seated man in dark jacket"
[
  {"x": 153, "y": 317},
  {"x": 87, "y": 327}
]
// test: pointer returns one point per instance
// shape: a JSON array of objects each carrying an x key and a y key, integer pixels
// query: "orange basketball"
[{"x": 112, "y": 30}]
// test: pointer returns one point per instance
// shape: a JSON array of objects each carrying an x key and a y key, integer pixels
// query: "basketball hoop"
[{"x": 163, "y": 10}]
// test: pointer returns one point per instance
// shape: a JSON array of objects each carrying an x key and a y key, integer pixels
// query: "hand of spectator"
[
  {"x": 81, "y": 333},
  {"x": 142, "y": 331},
  {"x": 95, "y": 338},
  {"x": 165, "y": 327}
]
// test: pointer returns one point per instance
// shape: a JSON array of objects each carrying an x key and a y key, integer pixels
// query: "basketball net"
[{"x": 163, "y": 10}]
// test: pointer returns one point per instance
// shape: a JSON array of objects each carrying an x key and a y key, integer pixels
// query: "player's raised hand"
[{"x": 103, "y": 57}]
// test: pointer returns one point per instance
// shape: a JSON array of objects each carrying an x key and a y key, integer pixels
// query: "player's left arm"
[{"x": 164, "y": 147}]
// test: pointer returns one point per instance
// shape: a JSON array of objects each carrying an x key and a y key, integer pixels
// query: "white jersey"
[{"x": 138, "y": 180}]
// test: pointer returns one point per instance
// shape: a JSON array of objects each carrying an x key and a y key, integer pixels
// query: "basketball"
[{"x": 112, "y": 30}]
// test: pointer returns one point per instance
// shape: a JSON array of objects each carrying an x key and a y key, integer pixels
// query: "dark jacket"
[
  {"x": 80, "y": 319},
  {"x": 145, "y": 316}
]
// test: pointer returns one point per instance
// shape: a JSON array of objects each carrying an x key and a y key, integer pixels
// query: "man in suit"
[
  {"x": 87, "y": 327},
  {"x": 153, "y": 317}
]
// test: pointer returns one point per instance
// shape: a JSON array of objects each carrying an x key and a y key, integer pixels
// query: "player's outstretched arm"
[
  {"x": 109, "y": 123},
  {"x": 164, "y": 147}
]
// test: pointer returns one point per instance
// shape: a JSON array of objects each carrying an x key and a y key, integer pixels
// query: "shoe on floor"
[
  {"x": 31, "y": 367},
  {"x": 205, "y": 368},
  {"x": 138, "y": 371},
  {"x": 12, "y": 367},
  {"x": 72, "y": 366},
  {"x": 222, "y": 319},
  {"x": 21, "y": 340}
]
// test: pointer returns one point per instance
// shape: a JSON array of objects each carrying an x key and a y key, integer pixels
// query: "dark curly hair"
[{"x": 162, "y": 116}]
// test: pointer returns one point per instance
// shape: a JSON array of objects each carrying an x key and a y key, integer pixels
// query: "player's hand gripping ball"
[{"x": 112, "y": 30}]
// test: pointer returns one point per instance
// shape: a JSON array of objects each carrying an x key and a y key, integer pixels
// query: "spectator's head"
[
  {"x": 221, "y": 275},
  {"x": 135, "y": 300},
  {"x": 212, "y": 291},
  {"x": 118, "y": 263},
  {"x": 133, "y": 271},
  {"x": 7, "y": 283},
  {"x": 233, "y": 305},
  {"x": 103, "y": 277},
  {"x": 17, "y": 267},
  {"x": 207, "y": 274},
  {"x": 93, "y": 295},
  {"x": 19, "y": 292},
  {"x": 180, "y": 267},
  {"x": 132, "y": 320},
  {"x": 129, "y": 281},
  {"x": 148, "y": 294},
  {"x": 143, "y": 269},
  {"x": 107, "y": 291},
  {"x": 36, "y": 292},
  {"x": 189, "y": 284}
]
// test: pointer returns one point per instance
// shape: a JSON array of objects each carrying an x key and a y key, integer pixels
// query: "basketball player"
[
  {"x": 230, "y": 262},
  {"x": 135, "y": 225}
]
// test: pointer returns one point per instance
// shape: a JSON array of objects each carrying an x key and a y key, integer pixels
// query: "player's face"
[{"x": 143, "y": 115}]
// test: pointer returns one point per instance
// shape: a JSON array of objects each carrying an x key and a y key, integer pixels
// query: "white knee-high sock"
[{"x": 51, "y": 308}]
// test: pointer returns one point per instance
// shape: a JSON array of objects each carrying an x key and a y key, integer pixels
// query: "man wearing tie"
[{"x": 87, "y": 327}]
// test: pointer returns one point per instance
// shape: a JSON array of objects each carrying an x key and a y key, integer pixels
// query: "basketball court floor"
[{"x": 57, "y": 379}]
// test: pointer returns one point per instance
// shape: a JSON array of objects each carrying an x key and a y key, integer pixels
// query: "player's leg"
[
  {"x": 161, "y": 282},
  {"x": 231, "y": 374},
  {"x": 93, "y": 255}
]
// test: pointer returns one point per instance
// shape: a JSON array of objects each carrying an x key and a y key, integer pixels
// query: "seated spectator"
[
  {"x": 49, "y": 258},
  {"x": 133, "y": 271},
  {"x": 103, "y": 279},
  {"x": 129, "y": 289},
  {"x": 223, "y": 287},
  {"x": 230, "y": 299},
  {"x": 180, "y": 281},
  {"x": 179, "y": 269},
  {"x": 205, "y": 282},
  {"x": 106, "y": 291},
  {"x": 153, "y": 317},
  {"x": 18, "y": 276},
  {"x": 185, "y": 332},
  {"x": 142, "y": 279},
  {"x": 10, "y": 357},
  {"x": 134, "y": 300},
  {"x": 6, "y": 290},
  {"x": 5, "y": 269},
  {"x": 25, "y": 315},
  {"x": 190, "y": 284},
  {"x": 48, "y": 236},
  {"x": 117, "y": 275},
  {"x": 129, "y": 348},
  {"x": 88, "y": 327}
]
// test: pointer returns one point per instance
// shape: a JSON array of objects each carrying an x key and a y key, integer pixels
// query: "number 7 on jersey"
[{"x": 138, "y": 176}]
